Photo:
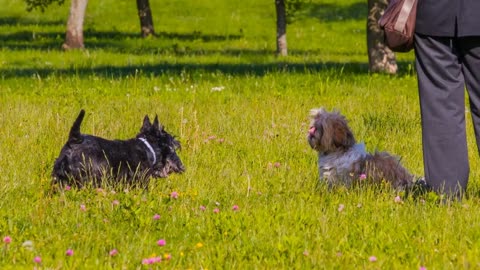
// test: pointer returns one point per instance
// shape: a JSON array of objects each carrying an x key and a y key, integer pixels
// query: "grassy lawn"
[{"x": 250, "y": 197}]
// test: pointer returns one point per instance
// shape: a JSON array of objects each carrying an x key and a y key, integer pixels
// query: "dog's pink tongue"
[{"x": 311, "y": 131}]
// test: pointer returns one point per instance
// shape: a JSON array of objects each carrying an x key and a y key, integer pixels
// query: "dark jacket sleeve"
[{"x": 448, "y": 18}]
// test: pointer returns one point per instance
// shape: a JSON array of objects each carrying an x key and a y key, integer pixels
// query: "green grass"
[{"x": 244, "y": 145}]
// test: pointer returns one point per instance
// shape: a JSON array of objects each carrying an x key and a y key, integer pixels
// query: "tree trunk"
[
  {"x": 380, "y": 57},
  {"x": 145, "y": 15},
  {"x": 281, "y": 27},
  {"x": 74, "y": 34}
]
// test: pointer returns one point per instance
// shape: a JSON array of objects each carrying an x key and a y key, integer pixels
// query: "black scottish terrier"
[{"x": 87, "y": 159}]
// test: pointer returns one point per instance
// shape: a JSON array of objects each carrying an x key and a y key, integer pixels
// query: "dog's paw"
[{"x": 420, "y": 187}]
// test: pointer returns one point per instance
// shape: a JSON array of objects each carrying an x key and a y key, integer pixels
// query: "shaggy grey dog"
[
  {"x": 341, "y": 160},
  {"x": 87, "y": 159}
]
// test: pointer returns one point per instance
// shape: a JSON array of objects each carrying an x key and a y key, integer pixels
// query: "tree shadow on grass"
[
  {"x": 22, "y": 21},
  {"x": 197, "y": 35},
  {"x": 331, "y": 68},
  {"x": 109, "y": 40},
  {"x": 133, "y": 44}
]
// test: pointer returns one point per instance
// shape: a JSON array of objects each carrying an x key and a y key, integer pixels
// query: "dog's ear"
[
  {"x": 156, "y": 124},
  {"x": 146, "y": 125},
  {"x": 342, "y": 135}
]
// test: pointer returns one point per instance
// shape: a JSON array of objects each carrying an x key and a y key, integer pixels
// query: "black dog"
[{"x": 87, "y": 159}]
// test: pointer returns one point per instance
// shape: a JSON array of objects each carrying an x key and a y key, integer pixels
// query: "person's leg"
[
  {"x": 470, "y": 57},
  {"x": 442, "y": 104}
]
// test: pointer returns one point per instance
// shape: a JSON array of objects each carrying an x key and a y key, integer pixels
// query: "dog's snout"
[
  {"x": 174, "y": 164},
  {"x": 179, "y": 169},
  {"x": 177, "y": 166},
  {"x": 312, "y": 130}
]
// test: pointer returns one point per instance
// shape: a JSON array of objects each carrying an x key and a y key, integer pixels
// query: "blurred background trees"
[
  {"x": 380, "y": 57},
  {"x": 287, "y": 11},
  {"x": 41, "y": 4},
  {"x": 74, "y": 31},
  {"x": 146, "y": 19},
  {"x": 76, "y": 16}
]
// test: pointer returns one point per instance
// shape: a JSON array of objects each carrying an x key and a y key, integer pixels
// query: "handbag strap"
[{"x": 403, "y": 16}]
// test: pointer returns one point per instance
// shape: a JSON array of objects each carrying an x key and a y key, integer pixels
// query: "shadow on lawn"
[
  {"x": 133, "y": 44},
  {"x": 22, "y": 21},
  {"x": 110, "y": 40},
  {"x": 333, "y": 68}
]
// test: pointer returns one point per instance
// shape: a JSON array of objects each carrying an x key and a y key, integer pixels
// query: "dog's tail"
[{"x": 75, "y": 136}]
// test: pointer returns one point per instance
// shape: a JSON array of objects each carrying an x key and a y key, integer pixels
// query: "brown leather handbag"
[{"x": 398, "y": 23}]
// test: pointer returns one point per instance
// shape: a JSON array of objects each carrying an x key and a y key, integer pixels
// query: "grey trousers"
[{"x": 445, "y": 67}]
